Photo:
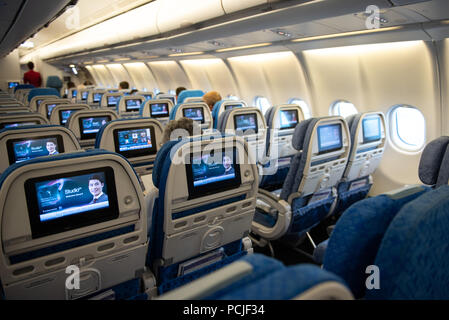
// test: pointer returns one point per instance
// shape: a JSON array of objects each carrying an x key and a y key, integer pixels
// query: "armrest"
[{"x": 270, "y": 203}]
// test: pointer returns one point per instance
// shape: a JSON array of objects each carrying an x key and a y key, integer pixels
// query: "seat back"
[
  {"x": 53, "y": 229},
  {"x": 110, "y": 100},
  {"x": 23, "y": 86},
  {"x": 37, "y": 100},
  {"x": 224, "y": 105},
  {"x": 189, "y": 94},
  {"x": 413, "y": 257},
  {"x": 250, "y": 124},
  {"x": 197, "y": 111},
  {"x": 205, "y": 202},
  {"x": 12, "y": 120},
  {"x": 258, "y": 277},
  {"x": 72, "y": 95},
  {"x": 43, "y": 92},
  {"x": 138, "y": 140},
  {"x": 85, "y": 124},
  {"x": 368, "y": 140},
  {"x": 281, "y": 123},
  {"x": 46, "y": 106},
  {"x": 94, "y": 98},
  {"x": 130, "y": 105},
  {"x": 148, "y": 95},
  {"x": 82, "y": 95},
  {"x": 13, "y": 109},
  {"x": 157, "y": 109},
  {"x": 54, "y": 82},
  {"x": 171, "y": 97},
  {"x": 25, "y": 143},
  {"x": 61, "y": 113}
]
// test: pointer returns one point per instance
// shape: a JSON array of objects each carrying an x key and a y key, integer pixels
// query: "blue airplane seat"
[
  {"x": 189, "y": 94},
  {"x": 222, "y": 106},
  {"x": 368, "y": 140},
  {"x": 309, "y": 192},
  {"x": 281, "y": 123},
  {"x": 54, "y": 82},
  {"x": 23, "y": 86},
  {"x": 413, "y": 257},
  {"x": 197, "y": 111},
  {"x": 201, "y": 215},
  {"x": 58, "y": 225},
  {"x": 43, "y": 92},
  {"x": 258, "y": 277}
]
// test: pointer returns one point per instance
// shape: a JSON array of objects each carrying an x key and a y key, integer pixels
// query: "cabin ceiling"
[{"x": 275, "y": 22}]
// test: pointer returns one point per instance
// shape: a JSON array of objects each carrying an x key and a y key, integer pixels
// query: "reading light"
[{"x": 245, "y": 47}]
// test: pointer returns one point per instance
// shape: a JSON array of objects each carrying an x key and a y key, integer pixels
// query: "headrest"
[
  {"x": 300, "y": 133},
  {"x": 43, "y": 92},
  {"x": 23, "y": 86},
  {"x": 54, "y": 82},
  {"x": 189, "y": 94},
  {"x": 432, "y": 160}
]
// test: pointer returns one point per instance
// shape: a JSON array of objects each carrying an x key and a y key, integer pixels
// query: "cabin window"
[
  {"x": 303, "y": 105},
  {"x": 407, "y": 128},
  {"x": 232, "y": 97},
  {"x": 343, "y": 108},
  {"x": 262, "y": 103}
]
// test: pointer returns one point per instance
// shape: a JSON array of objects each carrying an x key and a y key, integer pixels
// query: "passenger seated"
[
  {"x": 47, "y": 105},
  {"x": 85, "y": 124},
  {"x": 258, "y": 277},
  {"x": 224, "y": 105},
  {"x": 281, "y": 122},
  {"x": 250, "y": 124},
  {"x": 180, "y": 129},
  {"x": 138, "y": 140},
  {"x": 309, "y": 190},
  {"x": 50, "y": 234},
  {"x": 211, "y": 98},
  {"x": 197, "y": 111},
  {"x": 201, "y": 216},
  {"x": 130, "y": 105},
  {"x": 157, "y": 109},
  {"x": 110, "y": 100},
  {"x": 24, "y": 143},
  {"x": 13, "y": 120},
  {"x": 368, "y": 139},
  {"x": 60, "y": 114}
]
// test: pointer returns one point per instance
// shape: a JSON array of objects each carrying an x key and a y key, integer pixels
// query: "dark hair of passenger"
[
  {"x": 124, "y": 85},
  {"x": 70, "y": 85},
  {"x": 184, "y": 125},
  {"x": 30, "y": 65},
  {"x": 88, "y": 83},
  {"x": 179, "y": 90}
]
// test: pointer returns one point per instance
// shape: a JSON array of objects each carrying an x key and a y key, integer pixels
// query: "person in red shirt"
[{"x": 32, "y": 77}]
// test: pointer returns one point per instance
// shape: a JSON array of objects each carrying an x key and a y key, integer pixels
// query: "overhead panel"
[
  {"x": 175, "y": 14},
  {"x": 105, "y": 76},
  {"x": 141, "y": 75},
  {"x": 119, "y": 73},
  {"x": 230, "y": 6}
]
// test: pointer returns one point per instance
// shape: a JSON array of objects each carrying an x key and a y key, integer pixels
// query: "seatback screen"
[
  {"x": 12, "y": 84},
  {"x": 329, "y": 138},
  {"x": 90, "y": 126},
  {"x": 20, "y": 150},
  {"x": 247, "y": 123},
  {"x": 136, "y": 142},
  {"x": 133, "y": 105},
  {"x": 371, "y": 129},
  {"x": 196, "y": 114},
  {"x": 232, "y": 106},
  {"x": 159, "y": 110},
  {"x": 113, "y": 100},
  {"x": 50, "y": 108},
  {"x": 97, "y": 97},
  {"x": 15, "y": 124},
  {"x": 289, "y": 119},
  {"x": 74, "y": 93},
  {"x": 84, "y": 95},
  {"x": 147, "y": 96},
  {"x": 38, "y": 102},
  {"x": 64, "y": 115},
  {"x": 213, "y": 172},
  {"x": 72, "y": 200}
]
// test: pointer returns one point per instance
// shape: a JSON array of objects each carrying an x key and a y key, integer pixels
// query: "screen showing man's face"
[
  {"x": 95, "y": 187},
  {"x": 51, "y": 147},
  {"x": 227, "y": 162}
]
